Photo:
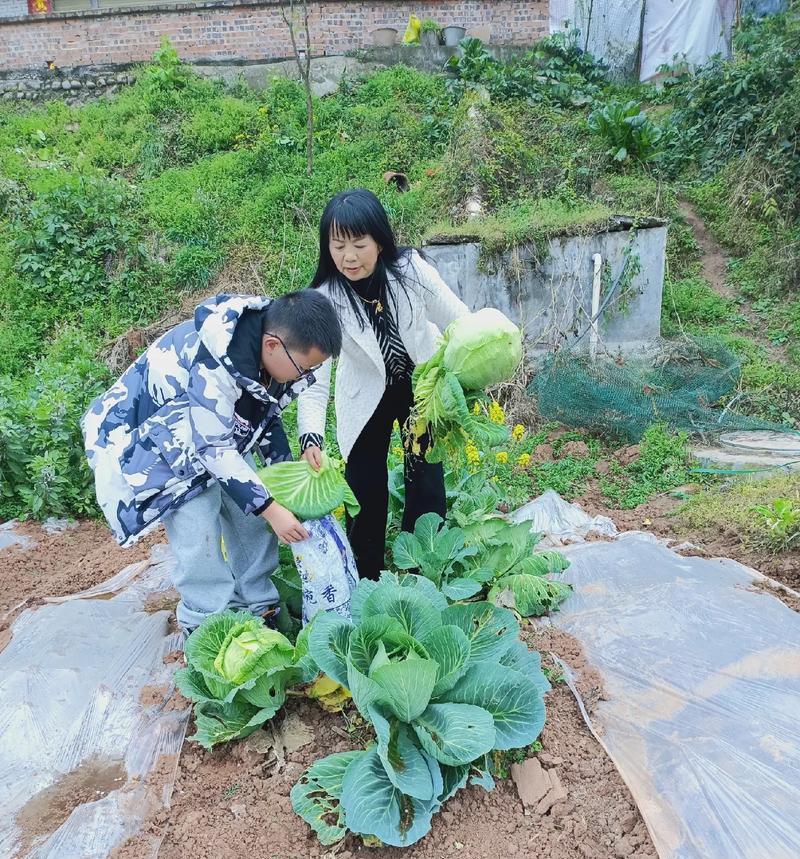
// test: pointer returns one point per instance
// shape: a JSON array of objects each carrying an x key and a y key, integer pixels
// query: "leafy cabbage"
[
  {"x": 308, "y": 493},
  {"x": 477, "y": 351},
  {"x": 442, "y": 685},
  {"x": 482, "y": 349},
  {"x": 237, "y": 674}
]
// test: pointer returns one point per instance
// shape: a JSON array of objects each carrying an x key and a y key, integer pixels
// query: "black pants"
[{"x": 368, "y": 475}]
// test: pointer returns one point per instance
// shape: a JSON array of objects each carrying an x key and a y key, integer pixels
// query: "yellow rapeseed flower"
[
  {"x": 524, "y": 460},
  {"x": 472, "y": 453},
  {"x": 496, "y": 413},
  {"x": 476, "y": 409},
  {"x": 501, "y": 456},
  {"x": 518, "y": 432}
]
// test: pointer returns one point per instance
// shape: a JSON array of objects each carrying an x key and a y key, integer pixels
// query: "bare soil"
[
  {"x": 45, "y": 811},
  {"x": 54, "y": 565}
]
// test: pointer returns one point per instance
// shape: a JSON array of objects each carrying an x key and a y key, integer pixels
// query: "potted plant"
[
  {"x": 430, "y": 32},
  {"x": 384, "y": 37},
  {"x": 453, "y": 35}
]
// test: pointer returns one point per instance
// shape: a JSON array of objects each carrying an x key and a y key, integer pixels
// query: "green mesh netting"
[{"x": 686, "y": 384}]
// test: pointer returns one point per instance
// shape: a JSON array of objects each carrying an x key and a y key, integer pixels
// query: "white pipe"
[{"x": 594, "y": 334}]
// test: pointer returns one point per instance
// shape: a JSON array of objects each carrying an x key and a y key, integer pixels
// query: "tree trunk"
[{"x": 304, "y": 67}]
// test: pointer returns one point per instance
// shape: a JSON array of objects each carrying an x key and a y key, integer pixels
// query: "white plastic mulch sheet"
[
  {"x": 561, "y": 523},
  {"x": 89, "y": 741},
  {"x": 702, "y": 693}
]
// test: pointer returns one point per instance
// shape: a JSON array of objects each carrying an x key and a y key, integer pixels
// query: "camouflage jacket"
[{"x": 169, "y": 425}]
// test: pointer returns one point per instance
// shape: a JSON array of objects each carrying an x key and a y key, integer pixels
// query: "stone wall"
[
  {"x": 85, "y": 82},
  {"x": 73, "y": 85}
]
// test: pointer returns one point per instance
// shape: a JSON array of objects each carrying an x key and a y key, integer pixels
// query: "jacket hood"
[{"x": 215, "y": 322}]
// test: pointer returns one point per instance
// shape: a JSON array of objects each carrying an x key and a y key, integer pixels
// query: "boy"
[{"x": 172, "y": 441}]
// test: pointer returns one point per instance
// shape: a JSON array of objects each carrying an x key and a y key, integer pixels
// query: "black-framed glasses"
[{"x": 300, "y": 371}]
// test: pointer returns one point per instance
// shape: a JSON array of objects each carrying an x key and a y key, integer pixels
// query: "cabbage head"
[
  {"x": 237, "y": 675},
  {"x": 477, "y": 351},
  {"x": 482, "y": 349}
]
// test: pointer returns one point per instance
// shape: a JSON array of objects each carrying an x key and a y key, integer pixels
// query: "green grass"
[
  {"x": 531, "y": 222},
  {"x": 690, "y": 304},
  {"x": 734, "y": 507},
  {"x": 112, "y": 212},
  {"x": 662, "y": 465}
]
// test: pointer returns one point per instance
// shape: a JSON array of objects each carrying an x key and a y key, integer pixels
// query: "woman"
[{"x": 392, "y": 306}]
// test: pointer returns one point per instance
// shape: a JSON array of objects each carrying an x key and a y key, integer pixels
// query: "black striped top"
[{"x": 396, "y": 359}]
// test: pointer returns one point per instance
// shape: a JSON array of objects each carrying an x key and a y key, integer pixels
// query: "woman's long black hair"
[{"x": 356, "y": 213}]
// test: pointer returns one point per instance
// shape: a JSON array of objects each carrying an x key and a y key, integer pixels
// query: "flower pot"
[
  {"x": 453, "y": 35},
  {"x": 384, "y": 37},
  {"x": 430, "y": 38}
]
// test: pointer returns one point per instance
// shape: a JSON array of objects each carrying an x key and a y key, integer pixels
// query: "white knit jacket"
[{"x": 360, "y": 372}]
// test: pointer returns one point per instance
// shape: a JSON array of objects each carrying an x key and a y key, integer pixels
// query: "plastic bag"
[
  {"x": 411, "y": 36},
  {"x": 327, "y": 568}
]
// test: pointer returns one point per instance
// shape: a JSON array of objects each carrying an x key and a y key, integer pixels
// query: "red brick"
[{"x": 254, "y": 31}]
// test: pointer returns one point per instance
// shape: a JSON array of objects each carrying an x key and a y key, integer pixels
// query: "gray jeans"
[{"x": 207, "y": 582}]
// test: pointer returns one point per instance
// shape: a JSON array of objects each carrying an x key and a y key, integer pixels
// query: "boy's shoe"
[{"x": 270, "y": 616}]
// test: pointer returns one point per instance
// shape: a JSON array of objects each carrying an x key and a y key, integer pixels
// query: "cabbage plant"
[
  {"x": 476, "y": 352},
  {"x": 493, "y": 556},
  {"x": 237, "y": 674},
  {"x": 442, "y": 685}
]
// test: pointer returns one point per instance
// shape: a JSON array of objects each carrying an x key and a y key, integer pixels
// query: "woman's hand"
[
  {"x": 313, "y": 456},
  {"x": 285, "y": 524}
]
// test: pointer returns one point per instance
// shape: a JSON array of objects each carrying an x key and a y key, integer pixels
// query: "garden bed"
[{"x": 236, "y": 799}]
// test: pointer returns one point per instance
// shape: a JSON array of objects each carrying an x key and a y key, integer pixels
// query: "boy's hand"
[
  {"x": 313, "y": 456},
  {"x": 285, "y": 524}
]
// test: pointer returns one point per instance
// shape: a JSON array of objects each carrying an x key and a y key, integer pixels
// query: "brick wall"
[
  {"x": 9, "y": 8},
  {"x": 244, "y": 30}
]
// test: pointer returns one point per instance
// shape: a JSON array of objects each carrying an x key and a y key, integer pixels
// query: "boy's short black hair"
[{"x": 304, "y": 320}]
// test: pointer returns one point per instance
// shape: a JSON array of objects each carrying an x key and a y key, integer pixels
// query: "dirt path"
[
  {"x": 714, "y": 270},
  {"x": 714, "y": 263}
]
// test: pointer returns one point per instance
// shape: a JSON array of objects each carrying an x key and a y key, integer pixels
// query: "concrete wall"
[
  {"x": 327, "y": 72},
  {"x": 553, "y": 300},
  {"x": 243, "y": 29}
]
